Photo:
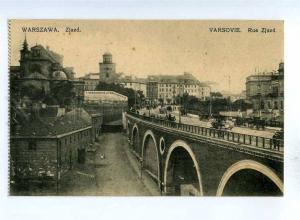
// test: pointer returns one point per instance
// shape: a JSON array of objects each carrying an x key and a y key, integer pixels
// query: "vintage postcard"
[{"x": 146, "y": 107}]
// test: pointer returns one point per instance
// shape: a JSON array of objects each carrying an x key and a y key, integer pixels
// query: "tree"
[
  {"x": 216, "y": 95},
  {"x": 169, "y": 100},
  {"x": 161, "y": 101},
  {"x": 130, "y": 93},
  {"x": 61, "y": 92},
  {"x": 241, "y": 104}
]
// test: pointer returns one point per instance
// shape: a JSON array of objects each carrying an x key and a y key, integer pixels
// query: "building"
[
  {"x": 168, "y": 87},
  {"x": 40, "y": 71},
  {"x": 104, "y": 97},
  {"x": 49, "y": 143},
  {"x": 152, "y": 89},
  {"x": 108, "y": 103},
  {"x": 266, "y": 91},
  {"x": 107, "y": 68},
  {"x": 91, "y": 81},
  {"x": 137, "y": 84}
]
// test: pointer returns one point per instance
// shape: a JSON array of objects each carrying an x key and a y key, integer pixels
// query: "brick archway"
[{"x": 248, "y": 164}]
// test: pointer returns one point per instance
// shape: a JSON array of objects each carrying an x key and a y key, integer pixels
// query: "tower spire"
[{"x": 25, "y": 44}]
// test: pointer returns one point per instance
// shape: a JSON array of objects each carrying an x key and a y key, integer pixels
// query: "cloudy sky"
[{"x": 161, "y": 47}]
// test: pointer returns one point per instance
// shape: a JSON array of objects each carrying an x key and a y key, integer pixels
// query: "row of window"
[
  {"x": 268, "y": 105},
  {"x": 177, "y": 85}
]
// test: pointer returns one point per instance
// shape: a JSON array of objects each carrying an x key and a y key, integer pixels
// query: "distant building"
[
  {"x": 266, "y": 91},
  {"x": 108, "y": 103},
  {"x": 104, "y": 97},
  {"x": 137, "y": 84},
  {"x": 91, "y": 81},
  {"x": 168, "y": 87},
  {"x": 107, "y": 69}
]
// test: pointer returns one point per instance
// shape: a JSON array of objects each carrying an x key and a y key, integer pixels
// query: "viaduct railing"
[{"x": 245, "y": 139}]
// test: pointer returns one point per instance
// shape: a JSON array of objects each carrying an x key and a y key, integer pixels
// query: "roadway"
[
  {"x": 110, "y": 170},
  {"x": 194, "y": 120},
  {"x": 115, "y": 176}
]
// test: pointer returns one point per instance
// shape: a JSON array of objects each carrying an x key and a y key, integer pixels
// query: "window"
[
  {"x": 32, "y": 145},
  {"x": 275, "y": 105}
]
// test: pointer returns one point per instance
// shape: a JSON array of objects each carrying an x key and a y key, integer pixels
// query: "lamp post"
[{"x": 180, "y": 100}]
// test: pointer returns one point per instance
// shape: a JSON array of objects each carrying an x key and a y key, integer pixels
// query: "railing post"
[
  {"x": 238, "y": 138},
  {"x": 250, "y": 139},
  {"x": 256, "y": 141},
  {"x": 244, "y": 139},
  {"x": 263, "y": 140}
]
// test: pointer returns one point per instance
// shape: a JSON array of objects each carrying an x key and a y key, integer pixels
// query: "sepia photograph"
[{"x": 146, "y": 107}]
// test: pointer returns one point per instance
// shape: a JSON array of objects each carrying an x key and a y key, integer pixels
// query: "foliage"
[
  {"x": 241, "y": 105},
  {"x": 61, "y": 93},
  {"x": 216, "y": 95}
]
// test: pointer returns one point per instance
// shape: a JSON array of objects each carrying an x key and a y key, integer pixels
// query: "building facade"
[
  {"x": 44, "y": 148},
  {"x": 266, "y": 91},
  {"x": 168, "y": 87},
  {"x": 137, "y": 84},
  {"x": 91, "y": 81}
]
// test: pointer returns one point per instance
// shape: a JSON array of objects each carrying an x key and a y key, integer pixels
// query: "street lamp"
[{"x": 180, "y": 97}]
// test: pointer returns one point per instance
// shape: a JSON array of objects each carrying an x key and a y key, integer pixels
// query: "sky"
[{"x": 141, "y": 47}]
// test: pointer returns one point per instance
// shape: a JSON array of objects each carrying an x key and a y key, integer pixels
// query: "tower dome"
[{"x": 59, "y": 75}]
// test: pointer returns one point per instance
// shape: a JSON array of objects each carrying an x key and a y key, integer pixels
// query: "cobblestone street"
[{"x": 109, "y": 171}]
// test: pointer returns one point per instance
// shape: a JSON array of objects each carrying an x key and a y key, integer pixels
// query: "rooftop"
[{"x": 53, "y": 126}]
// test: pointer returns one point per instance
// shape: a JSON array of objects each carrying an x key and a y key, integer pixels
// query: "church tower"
[
  {"x": 25, "y": 54},
  {"x": 107, "y": 68}
]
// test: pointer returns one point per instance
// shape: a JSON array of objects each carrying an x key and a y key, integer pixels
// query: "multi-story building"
[
  {"x": 137, "y": 84},
  {"x": 152, "y": 89},
  {"x": 91, "y": 81},
  {"x": 265, "y": 91},
  {"x": 168, "y": 87}
]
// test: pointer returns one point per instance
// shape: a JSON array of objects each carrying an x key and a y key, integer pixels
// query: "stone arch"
[
  {"x": 150, "y": 136},
  {"x": 135, "y": 140},
  {"x": 248, "y": 164},
  {"x": 182, "y": 144}
]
